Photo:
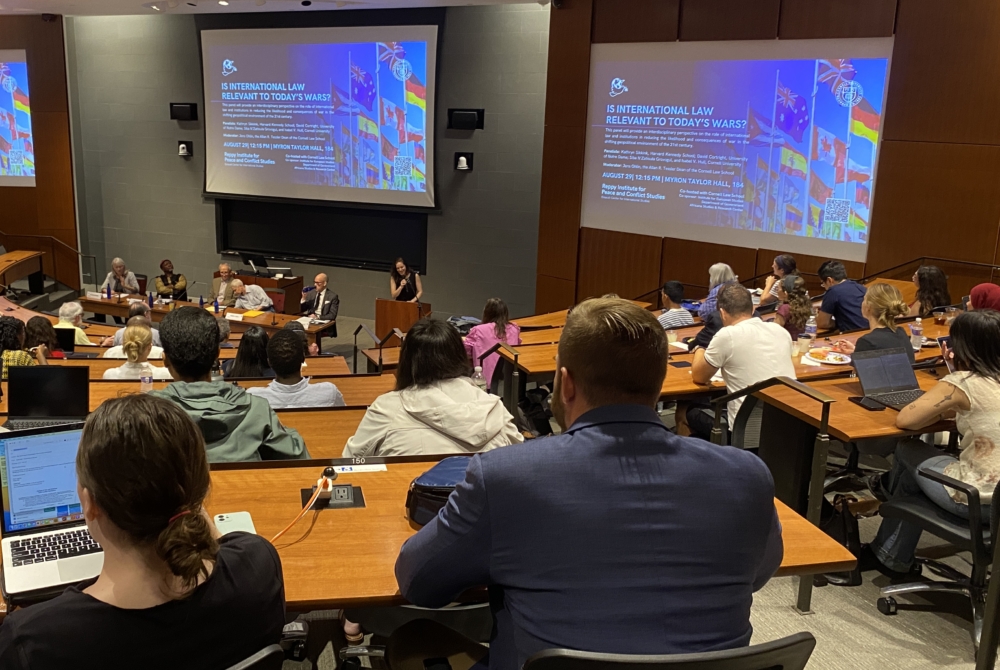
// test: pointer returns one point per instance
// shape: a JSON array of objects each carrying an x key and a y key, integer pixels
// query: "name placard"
[
  {"x": 95, "y": 295},
  {"x": 233, "y": 317}
]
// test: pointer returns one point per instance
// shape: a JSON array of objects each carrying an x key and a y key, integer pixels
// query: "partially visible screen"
[
  {"x": 765, "y": 144},
  {"x": 337, "y": 114},
  {"x": 17, "y": 144}
]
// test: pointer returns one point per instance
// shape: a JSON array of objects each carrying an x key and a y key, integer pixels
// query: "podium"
[{"x": 391, "y": 314}]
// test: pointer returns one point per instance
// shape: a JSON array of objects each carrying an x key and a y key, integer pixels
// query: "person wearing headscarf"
[{"x": 985, "y": 296}]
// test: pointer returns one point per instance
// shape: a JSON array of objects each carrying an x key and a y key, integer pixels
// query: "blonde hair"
[
  {"x": 886, "y": 304},
  {"x": 137, "y": 338}
]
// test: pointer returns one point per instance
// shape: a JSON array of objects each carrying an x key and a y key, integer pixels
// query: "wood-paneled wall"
[
  {"x": 938, "y": 190},
  {"x": 48, "y": 208}
]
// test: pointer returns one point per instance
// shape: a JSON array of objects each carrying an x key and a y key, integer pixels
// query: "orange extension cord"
[{"x": 324, "y": 482}]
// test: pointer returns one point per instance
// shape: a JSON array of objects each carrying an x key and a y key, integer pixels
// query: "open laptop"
[
  {"x": 67, "y": 343},
  {"x": 887, "y": 377},
  {"x": 46, "y": 395},
  {"x": 45, "y": 542}
]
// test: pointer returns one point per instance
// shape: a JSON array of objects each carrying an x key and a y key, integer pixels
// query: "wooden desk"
[
  {"x": 558, "y": 319},
  {"x": 345, "y": 558},
  {"x": 325, "y": 431},
  {"x": 318, "y": 365},
  {"x": 390, "y": 358},
  {"x": 16, "y": 265},
  {"x": 540, "y": 336},
  {"x": 905, "y": 287},
  {"x": 95, "y": 332}
]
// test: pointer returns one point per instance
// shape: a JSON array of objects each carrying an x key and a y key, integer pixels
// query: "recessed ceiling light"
[
  {"x": 155, "y": 7},
  {"x": 224, "y": 2}
]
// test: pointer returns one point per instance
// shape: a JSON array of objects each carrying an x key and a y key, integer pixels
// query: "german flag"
[
  {"x": 21, "y": 103},
  {"x": 416, "y": 93},
  {"x": 865, "y": 121}
]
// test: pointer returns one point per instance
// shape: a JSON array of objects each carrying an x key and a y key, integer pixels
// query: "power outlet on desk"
[{"x": 344, "y": 496}]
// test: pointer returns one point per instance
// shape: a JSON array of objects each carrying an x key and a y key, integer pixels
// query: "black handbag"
[
  {"x": 429, "y": 492},
  {"x": 837, "y": 521}
]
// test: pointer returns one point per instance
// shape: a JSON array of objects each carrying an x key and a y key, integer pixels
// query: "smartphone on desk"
[
  {"x": 235, "y": 522},
  {"x": 867, "y": 403}
]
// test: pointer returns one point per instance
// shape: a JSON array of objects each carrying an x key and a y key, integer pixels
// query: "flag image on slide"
[
  {"x": 16, "y": 140},
  {"x": 759, "y": 131},
  {"x": 836, "y": 71},
  {"x": 830, "y": 149},
  {"x": 367, "y": 128},
  {"x": 793, "y": 219},
  {"x": 418, "y": 152},
  {"x": 393, "y": 117},
  {"x": 391, "y": 53},
  {"x": 792, "y": 114},
  {"x": 863, "y": 196},
  {"x": 857, "y": 172},
  {"x": 362, "y": 87},
  {"x": 21, "y": 103},
  {"x": 818, "y": 190},
  {"x": 865, "y": 121},
  {"x": 416, "y": 93},
  {"x": 793, "y": 163}
]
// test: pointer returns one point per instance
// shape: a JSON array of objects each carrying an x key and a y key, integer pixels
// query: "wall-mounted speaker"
[
  {"x": 466, "y": 119},
  {"x": 184, "y": 111}
]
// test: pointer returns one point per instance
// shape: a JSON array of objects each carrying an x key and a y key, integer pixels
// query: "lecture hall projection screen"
[
  {"x": 763, "y": 144},
  {"x": 329, "y": 114}
]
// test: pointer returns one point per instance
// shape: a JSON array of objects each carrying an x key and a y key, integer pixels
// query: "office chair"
[
  {"x": 746, "y": 427},
  {"x": 277, "y": 296},
  {"x": 966, "y": 534},
  {"x": 965, "y": 302},
  {"x": 143, "y": 282},
  {"x": 789, "y": 653},
  {"x": 270, "y": 657}
]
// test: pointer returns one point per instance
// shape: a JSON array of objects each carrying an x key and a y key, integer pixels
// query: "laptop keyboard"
[
  {"x": 899, "y": 397},
  {"x": 51, "y": 547},
  {"x": 27, "y": 424}
]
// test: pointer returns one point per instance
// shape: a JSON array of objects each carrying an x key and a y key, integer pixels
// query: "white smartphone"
[{"x": 234, "y": 522}]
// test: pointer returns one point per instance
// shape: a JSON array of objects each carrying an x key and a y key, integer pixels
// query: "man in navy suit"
[{"x": 615, "y": 536}]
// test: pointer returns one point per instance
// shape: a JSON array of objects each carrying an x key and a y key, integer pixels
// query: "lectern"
[{"x": 391, "y": 314}]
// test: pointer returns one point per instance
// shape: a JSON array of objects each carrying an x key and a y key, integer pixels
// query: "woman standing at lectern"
[{"x": 404, "y": 283}]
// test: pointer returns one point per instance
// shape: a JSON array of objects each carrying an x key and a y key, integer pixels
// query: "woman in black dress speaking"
[{"x": 404, "y": 283}]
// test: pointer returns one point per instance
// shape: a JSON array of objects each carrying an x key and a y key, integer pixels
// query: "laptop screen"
[
  {"x": 38, "y": 478},
  {"x": 884, "y": 371},
  {"x": 49, "y": 390},
  {"x": 67, "y": 338}
]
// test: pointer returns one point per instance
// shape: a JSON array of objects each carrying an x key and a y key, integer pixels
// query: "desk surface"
[
  {"x": 848, "y": 422},
  {"x": 907, "y": 288},
  {"x": 390, "y": 357},
  {"x": 94, "y": 331},
  {"x": 342, "y": 558},
  {"x": 555, "y": 319},
  {"x": 325, "y": 431},
  {"x": 30, "y": 261}
]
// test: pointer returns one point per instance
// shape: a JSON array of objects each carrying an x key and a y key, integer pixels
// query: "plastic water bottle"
[
  {"x": 811, "y": 326},
  {"x": 146, "y": 378},
  {"x": 478, "y": 379},
  {"x": 217, "y": 375},
  {"x": 917, "y": 334}
]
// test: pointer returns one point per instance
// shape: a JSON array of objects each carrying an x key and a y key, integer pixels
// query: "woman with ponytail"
[
  {"x": 172, "y": 593},
  {"x": 137, "y": 342},
  {"x": 795, "y": 308},
  {"x": 883, "y": 304}
]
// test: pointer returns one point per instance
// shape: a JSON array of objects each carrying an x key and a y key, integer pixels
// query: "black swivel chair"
[
  {"x": 270, "y": 657},
  {"x": 967, "y": 534},
  {"x": 790, "y": 653}
]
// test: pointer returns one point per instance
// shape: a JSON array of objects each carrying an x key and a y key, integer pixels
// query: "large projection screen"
[
  {"x": 763, "y": 144},
  {"x": 332, "y": 114},
  {"x": 17, "y": 144}
]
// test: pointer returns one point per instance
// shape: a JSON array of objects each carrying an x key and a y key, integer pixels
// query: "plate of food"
[{"x": 827, "y": 356}]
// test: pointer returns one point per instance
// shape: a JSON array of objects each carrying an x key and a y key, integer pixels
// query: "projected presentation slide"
[
  {"x": 769, "y": 145},
  {"x": 338, "y": 114},
  {"x": 17, "y": 145}
]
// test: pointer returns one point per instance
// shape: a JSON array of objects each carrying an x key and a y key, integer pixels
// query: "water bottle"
[
  {"x": 478, "y": 379},
  {"x": 917, "y": 334},
  {"x": 811, "y": 327},
  {"x": 201, "y": 301},
  {"x": 109, "y": 290},
  {"x": 216, "y": 304},
  {"x": 151, "y": 300},
  {"x": 217, "y": 375},
  {"x": 146, "y": 378}
]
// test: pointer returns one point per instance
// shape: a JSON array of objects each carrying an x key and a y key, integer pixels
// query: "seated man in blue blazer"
[{"x": 615, "y": 536}]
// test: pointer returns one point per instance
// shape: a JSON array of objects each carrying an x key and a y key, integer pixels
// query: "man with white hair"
[
  {"x": 249, "y": 296},
  {"x": 71, "y": 316},
  {"x": 222, "y": 288}
]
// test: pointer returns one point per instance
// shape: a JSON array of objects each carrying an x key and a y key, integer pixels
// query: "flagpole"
[
  {"x": 812, "y": 139},
  {"x": 378, "y": 121},
  {"x": 847, "y": 149},
  {"x": 770, "y": 153},
  {"x": 350, "y": 128},
  {"x": 743, "y": 169}
]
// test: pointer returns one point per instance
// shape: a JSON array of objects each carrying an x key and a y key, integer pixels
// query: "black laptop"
[
  {"x": 887, "y": 377},
  {"x": 40, "y": 396},
  {"x": 67, "y": 343}
]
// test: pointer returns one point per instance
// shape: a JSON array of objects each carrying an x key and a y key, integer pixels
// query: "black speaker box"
[
  {"x": 466, "y": 119},
  {"x": 183, "y": 111}
]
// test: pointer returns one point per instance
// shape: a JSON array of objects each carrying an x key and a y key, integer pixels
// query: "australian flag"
[
  {"x": 362, "y": 87},
  {"x": 792, "y": 115}
]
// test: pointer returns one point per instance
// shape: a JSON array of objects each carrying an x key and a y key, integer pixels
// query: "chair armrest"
[{"x": 968, "y": 489}]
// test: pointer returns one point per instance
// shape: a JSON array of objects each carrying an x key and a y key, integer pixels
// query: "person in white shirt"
[
  {"x": 435, "y": 409},
  {"x": 137, "y": 345},
  {"x": 674, "y": 316},
  {"x": 286, "y": 356},
  {"x": 249, "y": 296},
  {"x": 746, "y": 350}
]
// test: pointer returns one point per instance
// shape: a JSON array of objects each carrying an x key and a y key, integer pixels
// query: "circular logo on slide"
[
  {"x": 9, "y": 84},
  {"x": 618, "y": 87},
  {"x": 402, "y": 69},
  {"x": 850, "y": 93}
]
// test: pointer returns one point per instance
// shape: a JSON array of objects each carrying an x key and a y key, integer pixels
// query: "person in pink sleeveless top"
[{"x": 496, "y": 327}]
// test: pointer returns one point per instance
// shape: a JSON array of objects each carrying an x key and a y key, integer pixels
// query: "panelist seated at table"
[
  {"x": 236, "y": 425},
  {"x": 71, "y": 316},
  {"x": 137, "y": 349},
  {"x": 250, "y": 296},
  {"x": 120, "y": 279},
  {"x": 616, "y": 536},
  {"x": 169, "y": 285},
  {"x": 290, "y": 389},
  {"x": 134, "y": 309},
  {"x": 318, "y": 301},
  {"x": 841, "y": 306},
  {"x": 222, "y": 289},
  {"x": 883, "y": 304},
  {"x": 435, "y": 409},
  {"x": 972, "y": 396},
  {"x": 172, "y": 593},
  {"x": 746, "y": 351},
  {"x": 12, "y": 345}
]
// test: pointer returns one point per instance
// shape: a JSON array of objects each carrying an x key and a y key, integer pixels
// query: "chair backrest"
[
  {"x": 277, "y": 296},
  {"x": 965, "y": 302},
  {"x": 270, "y": 657},
  {"x": 143, "y": 280},
  {"x": 789, "y": 653},
  {"x": 746, "y": 427}
]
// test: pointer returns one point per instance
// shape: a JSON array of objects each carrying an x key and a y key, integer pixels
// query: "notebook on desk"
[
  {"x": 887, "y": 377},
  {"x": 46, "y": 395},
  {"x": 45, "y": 542}
]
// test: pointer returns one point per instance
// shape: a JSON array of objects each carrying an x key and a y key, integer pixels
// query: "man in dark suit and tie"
[
  {"x": 320, "y": 302},
  {"x": 615, "y": 536}
]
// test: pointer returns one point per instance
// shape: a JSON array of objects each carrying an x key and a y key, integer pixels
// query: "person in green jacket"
[{"x": 236, "y": 425}]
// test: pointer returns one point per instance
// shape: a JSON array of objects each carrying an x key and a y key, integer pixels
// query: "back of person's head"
[
  {"x": 674, "y": 290},
  {"x": 138, "y": 309},
  {"x": 786, "y": 263},
  {"x": 975, "y": 339},
  {"x": 834, "y": 270},
  {"x": 190, "y": 338},
  {"x": 496, "y": 312},
  {"x": 720, "y": 273},
  {"x": 224, "y": 329},
  {"x": 251, "y": 356},
  {"x": 39, "y": 330},
  {"x": 297, "y": 328},
  {"x": 985, "y": 296},
  {"x": 285, "y": 354},
  {"x": 800, "y": 307},
  {"x": 70, "y": 310},
  {"x": 932, "y": 288},
  {"x": 735, "y": 300},
  {"x": 142, "y": 462},
  {"x": 616, "y": 352},
  {"x": 432, "y": 351},
  {"x": 11, "y": 333},
  {"x": 886, "y": 304},
  {"x": 138, "y": 338},
  {"x": 610, "y": 295},
  {"x": 236, "y": 283}
]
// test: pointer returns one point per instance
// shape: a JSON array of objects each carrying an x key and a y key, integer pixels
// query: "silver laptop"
[{"x": 45, "y": 542}]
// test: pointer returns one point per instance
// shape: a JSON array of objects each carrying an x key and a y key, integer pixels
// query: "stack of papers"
[{"x": 252, "y": 313}]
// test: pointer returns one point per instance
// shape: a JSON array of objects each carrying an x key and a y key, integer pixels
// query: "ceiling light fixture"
[
  {"x": 155, "y": 7},
  {"x": 224, "y": 3}
]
